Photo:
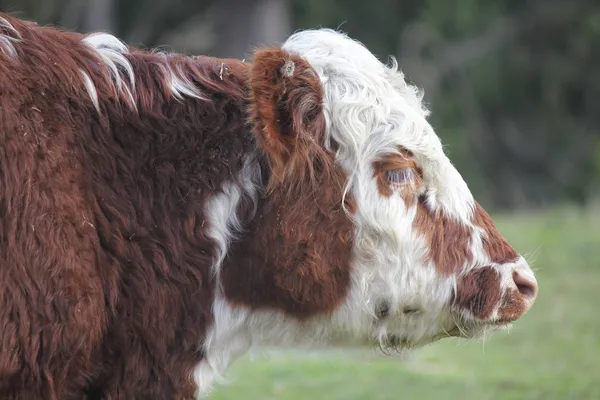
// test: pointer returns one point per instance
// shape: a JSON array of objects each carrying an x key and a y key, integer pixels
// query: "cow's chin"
[
  {"x": 472, "y": 330},
  {"x": 391, "y": 344}
]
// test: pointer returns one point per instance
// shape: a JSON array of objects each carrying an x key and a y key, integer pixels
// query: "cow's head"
[{"x": 367, "y": 231}]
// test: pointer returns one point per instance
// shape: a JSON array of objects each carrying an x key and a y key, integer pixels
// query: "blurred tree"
[
  {"x": 243, "y": 24},
  {"x": 523, "y": 109}
]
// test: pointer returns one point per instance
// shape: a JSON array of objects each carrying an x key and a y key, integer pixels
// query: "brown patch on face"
[
  {"x": 479, "y": 291},
  {"x": 394, "y": 162},
  {"x": 295, "y": 255},
  {"x": 494, "y": 244},
  {"x": 513, "y": 306},
  {"x": 448, "y": 240}
]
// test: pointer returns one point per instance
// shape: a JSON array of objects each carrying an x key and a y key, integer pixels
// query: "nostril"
[{"x": 526, "y": 285}]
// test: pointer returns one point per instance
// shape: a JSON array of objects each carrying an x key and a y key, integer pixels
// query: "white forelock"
[{"x": 371, "y": 110}]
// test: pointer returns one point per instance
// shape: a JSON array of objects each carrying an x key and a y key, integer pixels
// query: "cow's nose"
[{"x": 526, "y": 283}]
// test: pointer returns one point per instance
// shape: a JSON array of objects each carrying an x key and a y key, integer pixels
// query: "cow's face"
[
  {"x": 427, "y": 260},
  {"x": 366, "y": 231}
]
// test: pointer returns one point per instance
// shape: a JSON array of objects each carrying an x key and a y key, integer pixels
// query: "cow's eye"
[{"x": 399, "y": 176}]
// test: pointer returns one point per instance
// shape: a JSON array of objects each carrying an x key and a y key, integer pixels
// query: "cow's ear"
[{"x": 287, "y": 113}]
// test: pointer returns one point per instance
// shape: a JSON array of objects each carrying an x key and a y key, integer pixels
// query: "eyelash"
[{"x": 399, "y": 176}]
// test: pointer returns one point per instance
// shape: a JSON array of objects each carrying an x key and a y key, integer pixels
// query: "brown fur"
[
  {"x": 448, "y": 240},
  {"x": 298, "y": 253},
  {"x": 479, "y": 291},
  {"x": 494, "y": 244},
  {"x": 286, "y": 111},
  {"x": 104, "y": 260}
]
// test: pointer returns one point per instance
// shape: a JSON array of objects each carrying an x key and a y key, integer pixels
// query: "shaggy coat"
[{"x": 160, "y": 214}]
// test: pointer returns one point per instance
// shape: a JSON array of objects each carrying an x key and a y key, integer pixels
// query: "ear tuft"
[
  {"x": 286, "y": 111},
  {"x": 288, "y": 69}
]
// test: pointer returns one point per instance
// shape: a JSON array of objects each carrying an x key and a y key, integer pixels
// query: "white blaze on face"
[{"x": 371, "y": 111}]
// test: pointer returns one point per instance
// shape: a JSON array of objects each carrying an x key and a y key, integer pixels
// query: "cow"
[{"x": 161, "y": 214}]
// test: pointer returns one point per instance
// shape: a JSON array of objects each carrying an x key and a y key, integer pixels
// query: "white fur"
[
  {"x": 370, "y": 112},
  {"x": 226, "y": 340},
  {"x": 179, "y": 85},
  {"x": 507, "y": 281},
  {"x": 7, "y": 42},
  {"x": 221, "y": 210},
  {"x": 89, "y": 86},
  {"x": 112, "y": 53}
]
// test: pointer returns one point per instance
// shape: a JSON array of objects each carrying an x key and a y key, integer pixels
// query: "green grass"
[{"x": 552, "y": 353}]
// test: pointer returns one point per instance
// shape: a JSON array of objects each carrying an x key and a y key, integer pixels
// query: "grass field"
[{"x": 553, "y": 353}]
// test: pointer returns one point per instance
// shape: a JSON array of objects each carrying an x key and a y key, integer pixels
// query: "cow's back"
[{"x": 105, "y": 182}]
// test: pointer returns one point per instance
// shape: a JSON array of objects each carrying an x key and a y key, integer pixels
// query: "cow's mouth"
[{"x": 478, "y": 329}]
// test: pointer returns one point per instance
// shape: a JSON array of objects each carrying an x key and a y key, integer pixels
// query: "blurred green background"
[{"x": 513, "y": 86}]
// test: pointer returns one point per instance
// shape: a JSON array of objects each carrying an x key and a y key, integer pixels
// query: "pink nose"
[{"x": 526, "y": 284}]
